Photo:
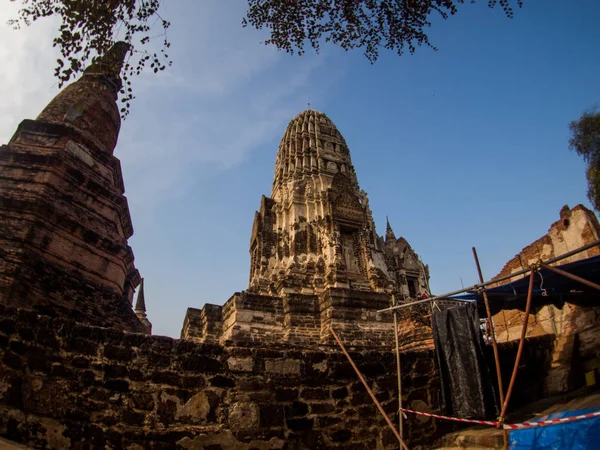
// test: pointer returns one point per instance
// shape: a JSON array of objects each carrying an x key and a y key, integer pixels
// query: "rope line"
[
  {"x": 509, "y": 426},
  {"x": 482, "y": 422}
]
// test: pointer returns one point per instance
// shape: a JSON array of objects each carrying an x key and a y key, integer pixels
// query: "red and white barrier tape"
[
  {"x": 541, "y": 423},
  {"x": 510, "y": 426}
]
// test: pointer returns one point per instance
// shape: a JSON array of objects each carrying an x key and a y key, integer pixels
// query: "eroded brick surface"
[
  {"x": 71, "y": 385},
  {"x": 64, "y": 221}
]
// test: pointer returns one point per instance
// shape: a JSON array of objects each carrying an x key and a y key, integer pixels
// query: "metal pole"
[
  {"x": 520, "y": 350},
  {"x": 399, "y": 371},
  {"x": 496, "y": 280},
  {"x": 571, "y": 276},
  {"x": 491, "y": 328},
  {"x": 387, "y": 419},
  {"x": 494, "y": 345}
]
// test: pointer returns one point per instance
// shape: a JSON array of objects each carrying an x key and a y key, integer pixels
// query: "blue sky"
[{"x": 462, "y": 147}]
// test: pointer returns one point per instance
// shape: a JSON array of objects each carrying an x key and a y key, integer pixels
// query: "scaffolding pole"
[
  {"x": 520, "y": 350},
  {"x": 494, "y": 344},
  {"x": 494, "y": 281},
  {"x": 399, "y": 370},
  {"x": 381, "y": 410},
  {"x": 571, "y": 276}
]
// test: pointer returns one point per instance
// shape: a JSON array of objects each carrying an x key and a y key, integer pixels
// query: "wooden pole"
[
  {"x": 571, "y": 276},
  {"x": 520, "y": 350},
  {"x": 399, "y": 371},
  {"x": 381, "y": 410},
  {"x": 494, "y": 344}
]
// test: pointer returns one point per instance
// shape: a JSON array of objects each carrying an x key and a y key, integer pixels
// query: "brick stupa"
[{"x": 64, "y": 221}]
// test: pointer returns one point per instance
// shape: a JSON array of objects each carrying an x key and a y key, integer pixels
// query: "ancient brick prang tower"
[
  {"x": 317, "y": 231},
  {"x": 316, "y": 260},
  {"x": 64, "y": 221}
]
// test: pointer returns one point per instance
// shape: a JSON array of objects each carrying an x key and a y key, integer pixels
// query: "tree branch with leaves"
[
  {"x": 585, "y": 141},
  {"x": 366, "y": 24},
  {"x": 91, "y": 27}
]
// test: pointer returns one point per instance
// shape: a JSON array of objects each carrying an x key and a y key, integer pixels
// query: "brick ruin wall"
[
  {"x": 295, "y": 319},
  {"x": 576, "y": 328},
  {"x": 68, "y": 385}
]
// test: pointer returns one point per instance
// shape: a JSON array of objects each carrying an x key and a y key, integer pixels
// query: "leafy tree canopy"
[
  {"x": 366, "y": 24},
  {"x": 585, "y": 140},
  {"x": 91, "y": 27}
]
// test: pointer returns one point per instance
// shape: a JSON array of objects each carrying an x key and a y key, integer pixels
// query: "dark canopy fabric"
[
  {"x": 549, "y": 288},
  {"x": 466, "y": 385}
]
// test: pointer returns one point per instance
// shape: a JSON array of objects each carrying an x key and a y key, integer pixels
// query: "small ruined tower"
[
  {"x": 389, "y": 233},
  {"x": 140, "y": 309},
  {"x": 64, "y": 221}
]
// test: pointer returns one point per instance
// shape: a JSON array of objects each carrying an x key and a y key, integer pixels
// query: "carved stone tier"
[{"x": 295, "y": 319}]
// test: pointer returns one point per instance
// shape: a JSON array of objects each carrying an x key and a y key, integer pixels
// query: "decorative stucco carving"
[{"x": 317, "y": 214}]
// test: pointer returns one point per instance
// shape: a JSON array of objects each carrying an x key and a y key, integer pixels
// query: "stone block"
[
  {"x": 196, "y": 409},
  {"x": 237, "y": 364},
  {"x": 283, "y": 366},
  {"x": 244, "y": 416}
]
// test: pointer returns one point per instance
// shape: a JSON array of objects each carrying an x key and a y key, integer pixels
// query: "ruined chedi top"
[
  {"x": 90, "y": 104},
  {"x": 317, "y": 230},
  {"x": 64, "y": 219}
]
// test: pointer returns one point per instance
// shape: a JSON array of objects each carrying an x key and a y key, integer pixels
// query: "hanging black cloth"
[{"x": 467, "y": 387}]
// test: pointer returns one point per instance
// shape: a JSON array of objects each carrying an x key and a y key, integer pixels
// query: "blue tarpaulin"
[{"x": 577, "y": 435}]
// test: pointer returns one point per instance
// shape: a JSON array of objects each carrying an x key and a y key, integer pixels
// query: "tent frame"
[{"x": 480, "y": 287}]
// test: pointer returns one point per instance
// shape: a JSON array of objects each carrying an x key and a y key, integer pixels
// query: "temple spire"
[
  {"x": 109, "y": 65},
  {"x": 140, "y": 304},
  {"x": 140, "y": 309},
  {"x": 88, "y": 106},
  {"x": 389, "y": 233}
]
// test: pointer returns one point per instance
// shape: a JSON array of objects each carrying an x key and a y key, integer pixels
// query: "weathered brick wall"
[
  {"x": 533, "y": 369},
  {"x": 576, "y": 227},
  {"x": 68, "y": 385},
  {"x": 576, "y": 329},
  {"x": 64, "y": 225}
]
